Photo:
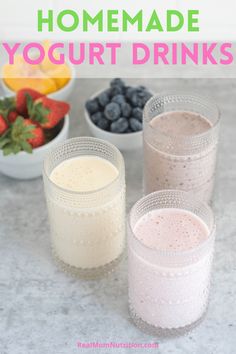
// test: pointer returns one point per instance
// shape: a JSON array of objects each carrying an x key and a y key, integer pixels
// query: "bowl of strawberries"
[{"x": 30, "y": 125}]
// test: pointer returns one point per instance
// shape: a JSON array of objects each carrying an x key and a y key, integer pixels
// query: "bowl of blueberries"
[{"x": 116, "y": 114}]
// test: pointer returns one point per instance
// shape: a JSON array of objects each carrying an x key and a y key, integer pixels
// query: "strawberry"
[
  {"x": 3, "y": 125},
  {"x": 38, "y": 138},
  {"x": 12, "y": 116},
  {"x": 8, "y": 109},
  {"x": 23, "y": 134},
  {"x": 21, "y": 100},
  {"x": 48, "y": 112},
  {"x": 7, "y": 105}
]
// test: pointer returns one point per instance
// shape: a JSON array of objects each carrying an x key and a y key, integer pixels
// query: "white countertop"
[{"x": 43, "y": 310}]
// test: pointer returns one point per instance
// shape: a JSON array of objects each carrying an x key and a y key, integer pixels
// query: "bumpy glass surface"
[
  {"x": 87, "y": 228},
  {"x": 169, "y": 290},
  {"x": 185, "y": 163}
]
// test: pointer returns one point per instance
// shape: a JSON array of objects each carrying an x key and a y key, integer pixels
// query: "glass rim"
[
  {"x": 91, "y": 192},
  {"x": 207, "y": 99},
  {"x": 168, "y": 253}
]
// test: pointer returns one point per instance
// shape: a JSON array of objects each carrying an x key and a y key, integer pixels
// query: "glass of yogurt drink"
[
  {"x": 171, "y": 245},
  {"x": 180, "y": 144},
  {"x": 84, "y": 182}
]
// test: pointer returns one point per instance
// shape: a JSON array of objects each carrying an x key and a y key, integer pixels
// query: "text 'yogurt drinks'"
[
  {"x": 86, "y": 203},
  {"x": 170, "y": 256},
  {"x": 180, "y": 145}
]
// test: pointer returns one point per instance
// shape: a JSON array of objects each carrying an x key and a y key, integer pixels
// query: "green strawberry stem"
[
  {"x": 37, "y": 111},
  {"x": 6, "y": 106},
  {"x": 15, "y": 139}
]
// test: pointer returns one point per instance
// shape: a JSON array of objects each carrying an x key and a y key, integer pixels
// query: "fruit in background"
[
  {"x": 135, "y": 125},
  {"x": 45, "y": 77},
  {"x": 12, "y": 116},
  {"x": 24, "y": 135},
  {"x": 21, "y": 99},
  {"x": 47, "y": 112},
  {"x": 61, "y": 73},
  {"x": 7, "y": 108},
  {"x": 38, "y": 138},
  {"x": 112, "y": 111},
  {"x": 103, "y": 123},
  {"x": 43, "y": 85},
  {"x": 119, "y": 109},
  {"x": 120, "y": 126},
  {"x": 29, "y": 120},
  {"x": 92, "y": 106},
  {"x": 3, "y": 125},
  {"x": 138, "y": 113},
  {"x": 46, "y": 64},
  {"x": 21, "y": 74},
  {"x": 103, "y": 99}
]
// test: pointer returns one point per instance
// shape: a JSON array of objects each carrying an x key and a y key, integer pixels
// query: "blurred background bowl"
[
  {"x": 61, "y": 94},
  {"x": 124, "y": 142}
]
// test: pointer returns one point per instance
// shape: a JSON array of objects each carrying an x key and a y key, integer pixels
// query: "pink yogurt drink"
[
  {"x": 170, "y": 254},
  {"x": 180, "y": 145}
]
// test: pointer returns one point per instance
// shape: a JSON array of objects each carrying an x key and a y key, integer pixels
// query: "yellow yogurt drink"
[{"x": 86, "y": 205}]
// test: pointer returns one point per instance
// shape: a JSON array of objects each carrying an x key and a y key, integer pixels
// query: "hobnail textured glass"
[
  {"x": 169, "y": 290},
  {"x": 87, "y": 228},
  {"x": 180, "y": 162}
]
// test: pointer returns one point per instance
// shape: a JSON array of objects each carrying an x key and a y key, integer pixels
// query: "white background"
[{"x": 18, "y": 19}]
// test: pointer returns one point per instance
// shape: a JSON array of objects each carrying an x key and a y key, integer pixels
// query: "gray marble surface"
[{"x": 42, "y": 310}]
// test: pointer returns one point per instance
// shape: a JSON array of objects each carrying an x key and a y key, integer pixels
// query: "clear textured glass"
[
  {"x": 169, "y": 290},
  {"x": 87, "y": 228},
  {"x": 184, "y": 162}
]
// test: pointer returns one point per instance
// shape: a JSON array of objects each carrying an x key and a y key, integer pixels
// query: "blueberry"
[
  {"x": 92, "y": 106},
  {"x": 103, "y": 98},
  {"x": 103, "y": 123},
  {"x": 129, "y": 92},
  {"x": 135, "y": 125},
  {"x": 137, "y": 113},
  {"x": 96, "y": 117},
  {"x": 120, "y": 99},
  {"x": 128, "y": 131},
  {"x": 112, "y": 111},
  {"x": 146, "y": 97},
  {"x": 136, "y": 100},
  {"x": 120, "y": 126},
  {"x": 116, "y": 90},
  {"x": 126, "y": 110},
  {"x": 141, "y": 88},
  {"x": 141, "y": 93},
  {"x": 117, "y": 82}
]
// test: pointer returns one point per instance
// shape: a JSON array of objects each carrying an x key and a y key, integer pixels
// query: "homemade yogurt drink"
[
  {"x": 84, "y": 174},
  {"x": 180, "y": 145},
  {"x": 171, "y": 247},
  {"x": 171, "y": 230},
  {"x": 86, "y": 203}
]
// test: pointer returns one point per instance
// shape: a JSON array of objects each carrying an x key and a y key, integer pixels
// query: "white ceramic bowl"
[
  {"x": 60, "y": 95},
  {"x": 29, "y": 166},
  {"x": 124, "y": 142}
]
